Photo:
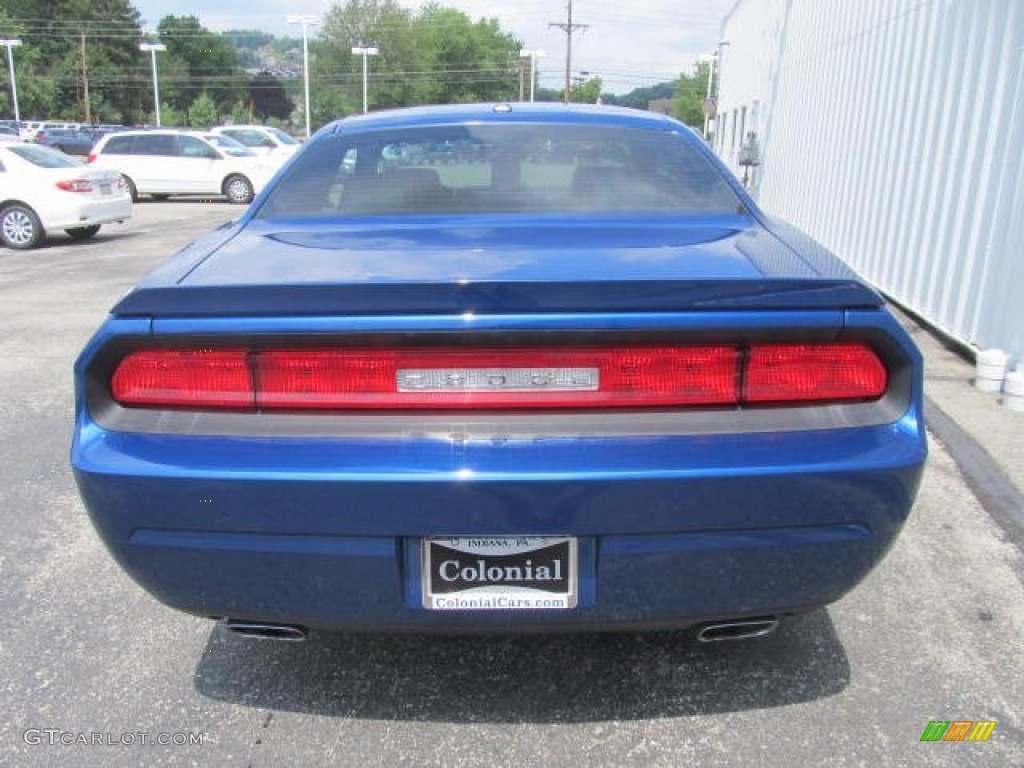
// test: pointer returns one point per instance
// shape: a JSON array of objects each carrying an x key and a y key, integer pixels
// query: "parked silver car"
[{"x": 262, "y": 139}]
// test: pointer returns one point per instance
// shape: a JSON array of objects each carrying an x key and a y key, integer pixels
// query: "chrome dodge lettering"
[{"x": 497, "y": 379}]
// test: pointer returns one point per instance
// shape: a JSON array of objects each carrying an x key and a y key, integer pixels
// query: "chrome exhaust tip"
[
  {"x": 742, "y": 629},
  {"x": 261, "y": 631}
]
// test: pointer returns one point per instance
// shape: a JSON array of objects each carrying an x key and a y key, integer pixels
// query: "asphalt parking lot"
[{"x": 98, "y": 672}]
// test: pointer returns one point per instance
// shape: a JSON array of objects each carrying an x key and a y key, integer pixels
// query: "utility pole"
[
  {"x": 568, "y": 27},
  {"x": 85, "y": 84}
]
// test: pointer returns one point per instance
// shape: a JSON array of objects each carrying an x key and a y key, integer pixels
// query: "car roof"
[
  {"x": 31, "y": 146},
  {"x": 546, "y": 112},
  {"x": 108, "y": 136},
  {"x": 160, "y": 132}
]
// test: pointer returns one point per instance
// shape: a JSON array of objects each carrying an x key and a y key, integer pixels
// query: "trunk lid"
[{"x": 492, "y": 265}]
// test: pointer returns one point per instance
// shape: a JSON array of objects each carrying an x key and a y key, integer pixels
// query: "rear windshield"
[
  {"x": 510, "y": 168},
  {"x": 247, "y": 137},
  {"x": 281, "y": 136},
  {"x": 228, "y": 145},
  {"x": 44, "y": 157}
]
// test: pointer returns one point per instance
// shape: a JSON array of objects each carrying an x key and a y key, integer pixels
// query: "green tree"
[
  {"x": 337, "y": 73},
  {"x": 247, "y": 44},
  {"x": 240, "y": 114},
  {"x": 25, "y": 61},
  {"x": 198, "y": 61},
  {"x": 588, "y": 92},
  {"x": 287, "y": 46},
  {"x": 248, "y": 38},
  {"x": 465, "y": 61},
  {"x": 203, "y": 112},
  {"x": 691, "y": 90},
  {"x": 639, "y": 98},
  {"x": 268, "y": 97},
  {"x": 548, "y": 94},
  {"x": 170, "y": 116},
  {"x": 438, "y": 55},
  {"x": 80, "y": 58}
]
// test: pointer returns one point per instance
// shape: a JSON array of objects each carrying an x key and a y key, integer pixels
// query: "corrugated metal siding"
[{"x": 892, "y": 131}]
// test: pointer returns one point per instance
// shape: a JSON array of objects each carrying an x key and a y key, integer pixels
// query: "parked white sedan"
[
  {"x": 262, "y": 139},
  {"x": 43, "y": 191}
]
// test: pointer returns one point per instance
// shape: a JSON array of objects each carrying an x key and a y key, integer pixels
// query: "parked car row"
[
  {"x": 43, "y": 190},
  {"x": 28, "y": 130},
  {"x": 71, "y": 141}
]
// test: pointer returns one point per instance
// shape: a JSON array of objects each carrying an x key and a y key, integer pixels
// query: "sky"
[{"x": 628, "y": 45}]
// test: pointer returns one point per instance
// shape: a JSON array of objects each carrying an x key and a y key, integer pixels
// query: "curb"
[{"x": 986, "y": 479}]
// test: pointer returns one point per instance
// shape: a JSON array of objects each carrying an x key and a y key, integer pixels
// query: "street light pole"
[
  {"x": 9, "y": 44},
  {"x": 716, "y": 57},
  {"x": 532, "y": 55},
  {"x": 365, "y": 51},
  {"x": 153, "y": 48},
  {"x": 707, "y": 98},
  {"x": 306, "y": 20}
]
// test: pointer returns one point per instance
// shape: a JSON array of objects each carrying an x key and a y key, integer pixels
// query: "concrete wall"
[{"x": 892, "y": 131}]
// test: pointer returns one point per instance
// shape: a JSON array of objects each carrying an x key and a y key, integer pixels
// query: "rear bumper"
[
  {"x": 360, "y": 583},
  {"x": 672, "y": 531},
  {"x": 89, "y": 212}
]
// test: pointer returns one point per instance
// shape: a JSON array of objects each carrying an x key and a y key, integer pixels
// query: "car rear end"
[
  {"x": 62, "y": 139},
  {"x": 500, "y": 422},
  {"x": 87, "y": 199},
  {"x": 65, "y": 193}
]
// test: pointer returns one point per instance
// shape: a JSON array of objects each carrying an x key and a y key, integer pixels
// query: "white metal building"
[{"x": 893, "y": 132}]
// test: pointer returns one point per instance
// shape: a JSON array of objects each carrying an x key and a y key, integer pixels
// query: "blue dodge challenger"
[{"x": 500, "y": 368}]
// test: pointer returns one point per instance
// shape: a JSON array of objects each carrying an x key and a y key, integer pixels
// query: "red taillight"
[
  {"x": 218, "y": 378},
  {"x": 568, "y": 377},
  {"x": 813, "y": 372},
  {"x": 75, "y": 185},
  {"x": 520, "y": 378},
  {"x": 91, "y": 158}
]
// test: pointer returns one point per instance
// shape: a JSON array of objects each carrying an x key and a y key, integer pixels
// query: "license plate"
[
  {"x": 105, "y": 189},
  {"x": 500, "y": 573}
]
